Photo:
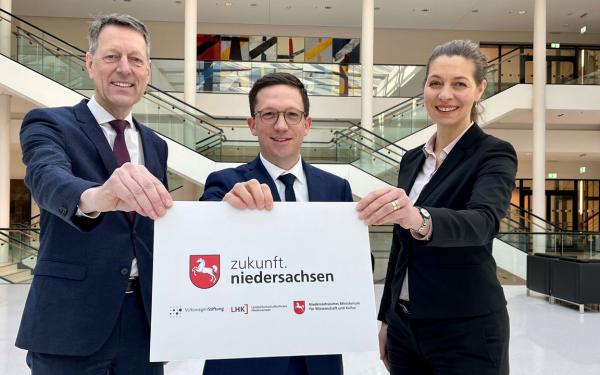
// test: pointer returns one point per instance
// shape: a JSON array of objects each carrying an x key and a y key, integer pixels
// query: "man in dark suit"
[
  {"x": 279, "y": 110},
  {"x": 100, "y": 180}
]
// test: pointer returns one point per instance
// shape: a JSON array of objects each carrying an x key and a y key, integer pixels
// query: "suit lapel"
[
  {"x": 317, "y": 189},
  {"x": 151, "y": 158},
  {"x": 92, "y": 129},
  {"x": 409, "y": 170},
  {"x": 257, "y": 170},
  {"x": 456, "y": 155}
]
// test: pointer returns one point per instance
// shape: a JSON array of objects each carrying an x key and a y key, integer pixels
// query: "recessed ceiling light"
[
  {"x": 178, "y": 1},
  {"x": 228, "y": 3},
  {"x": 377, "y": 8},
  {"x": 252, "y": 4},
  {"x": 474, "y": 10},
  {"x": 288, "y": 7},
  {"x": 560, "y": 115},
  {"x": 522, "y": 12},
  {"x": 583, "y": 30},
  {"x": 327, "y": 7},
  {"x": 425, "y": 10}
]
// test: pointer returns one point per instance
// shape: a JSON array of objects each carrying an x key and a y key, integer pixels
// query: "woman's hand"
[
  {"x": 383, "y": 345},
  {"x": 389, "y": 205}
]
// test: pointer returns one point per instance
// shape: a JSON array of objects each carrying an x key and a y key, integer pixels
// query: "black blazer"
[
  {"x": 83, "y": 265},
  {"x": 454, "y": 274}
]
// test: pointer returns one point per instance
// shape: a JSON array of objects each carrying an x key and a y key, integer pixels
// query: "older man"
[{"x": 99, "y": 177}]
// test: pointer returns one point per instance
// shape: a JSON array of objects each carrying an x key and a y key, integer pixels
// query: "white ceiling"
[{"x": 499, "y": 15}]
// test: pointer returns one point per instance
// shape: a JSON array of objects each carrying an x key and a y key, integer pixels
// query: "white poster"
[{"x": 234, "y": 283}]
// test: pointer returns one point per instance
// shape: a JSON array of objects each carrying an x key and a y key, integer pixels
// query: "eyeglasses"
[{"x": 271, "y": 116}]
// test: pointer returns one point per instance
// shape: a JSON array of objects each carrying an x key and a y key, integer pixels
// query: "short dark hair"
[
  {"x": 471, "y": 52},
  {"x": 118, "y": 20},
  {"x": 278, "y": 78}
]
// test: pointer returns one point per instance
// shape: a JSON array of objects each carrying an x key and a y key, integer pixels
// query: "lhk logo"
[
  {"x": 240, "y": 309},
  {"x": 205, "y": 270}
]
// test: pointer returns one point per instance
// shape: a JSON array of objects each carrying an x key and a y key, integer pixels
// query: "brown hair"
[
  {"x": 471, "y": 52},
  {"x": 278, "y": 78}
]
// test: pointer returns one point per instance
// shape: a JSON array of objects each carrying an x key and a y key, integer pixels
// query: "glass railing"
[
  {"x": 21, "y": 246},
  {"x": 319, "y": 79},
  {"x": 369, "y": 152},
  {"x": 585, "y": 245},
  {"x": 65, "y": 64}
]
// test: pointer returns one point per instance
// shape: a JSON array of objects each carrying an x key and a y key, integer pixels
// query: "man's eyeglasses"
[{"x": 271, "y": 116}]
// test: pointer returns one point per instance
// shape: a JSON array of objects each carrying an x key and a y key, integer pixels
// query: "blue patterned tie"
[{"x": 288, "y": 181}]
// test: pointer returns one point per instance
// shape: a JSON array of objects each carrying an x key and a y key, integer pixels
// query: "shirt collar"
[
  {"x": 428, "y": 148},
  {"x": 102, "y": 116},
  {"x": 275, "y": 171}
]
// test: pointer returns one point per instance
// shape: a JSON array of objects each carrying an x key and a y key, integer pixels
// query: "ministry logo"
[
  {"x": 299, "y": 307},
  {"x": 205, "y": 270}
]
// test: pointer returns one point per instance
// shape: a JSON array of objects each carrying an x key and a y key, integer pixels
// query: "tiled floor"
[{"x": 545, "y": 339}]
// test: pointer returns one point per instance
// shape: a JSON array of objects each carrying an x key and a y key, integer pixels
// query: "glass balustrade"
[
  {"x": 65, "y": 64},
  {"x": 319, "y": 79}
]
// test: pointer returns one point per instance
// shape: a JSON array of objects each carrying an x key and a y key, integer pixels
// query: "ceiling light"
[
  {"x": 178, "y": 1},
  {"x": 425, "y": 10},
  {"x": 474, "y": 10},
  {"x": 522, "y": 12},
  {"x": 583, "y": 30},
  {"x": 377, "y": 8},
  {"x": 583, "y": 15},
  {"x": 560, "y": 115},
  {"x": 554, "y": 45},
  {"x": 288, "y": 7},
  {"x": 327, "y": 7},
  {"x": 252, "y": 4},
  {"x": 228, "y": 4}
]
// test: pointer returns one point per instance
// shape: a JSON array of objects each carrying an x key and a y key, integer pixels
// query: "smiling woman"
[{"x": 443, "y": 309}]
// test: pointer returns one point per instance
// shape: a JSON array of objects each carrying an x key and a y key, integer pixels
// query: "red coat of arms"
[
  {"x": 205, "y": 270},
  {"x": 299, "y": 307}
]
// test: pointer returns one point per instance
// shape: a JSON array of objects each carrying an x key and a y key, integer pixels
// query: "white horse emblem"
[{"x": 210, "y": 271}]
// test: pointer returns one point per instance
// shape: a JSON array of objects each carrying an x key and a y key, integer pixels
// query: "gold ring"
[{"x": 395, "y": 205}]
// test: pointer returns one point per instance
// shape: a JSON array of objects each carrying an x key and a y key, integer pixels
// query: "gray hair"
[
  {"x": 117, "y": 20},
  {"x": 470, "y": 51}
]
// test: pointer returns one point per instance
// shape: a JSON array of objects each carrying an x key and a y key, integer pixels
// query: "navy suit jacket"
[
  {"x": 454, "y": 274},
  {"x": 83, "y": 265},
  {"x": 322, "y": 187}
]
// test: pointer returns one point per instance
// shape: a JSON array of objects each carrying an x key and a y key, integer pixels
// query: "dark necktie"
[
  {"x": 288, "y": 181},
  {"x": 120, "y": 149}
]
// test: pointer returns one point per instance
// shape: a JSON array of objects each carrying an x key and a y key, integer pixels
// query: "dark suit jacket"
[
  {"x": 83, "y": 265},
  {"x": 454, "y": 274},
  {"x": 322, "y": 187}
]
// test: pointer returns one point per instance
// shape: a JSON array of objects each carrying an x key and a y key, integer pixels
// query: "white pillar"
[
  {"x": 6, "y": 5},
  {"x": 366, "y": 61},
  {"x": 539, "y": 116},
  {"x": 189, "y": 63},
  {"x": 4, "y": 169}
]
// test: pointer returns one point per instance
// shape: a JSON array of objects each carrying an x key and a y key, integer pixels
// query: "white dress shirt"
[
  {"x": 423, "y": 178},
  {"x": 132, "y": 140},
  {"x": 300, "y": 185}
]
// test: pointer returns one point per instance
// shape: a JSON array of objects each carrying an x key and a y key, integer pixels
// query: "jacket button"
[
  {"x": 124, "y": 271},
  {"x": 62, "y": 211}
]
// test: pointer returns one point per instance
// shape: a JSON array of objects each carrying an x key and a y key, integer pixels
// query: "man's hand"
[
  {"x": 250, "y": 194},
  {"x": 130, "y": 188}
]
